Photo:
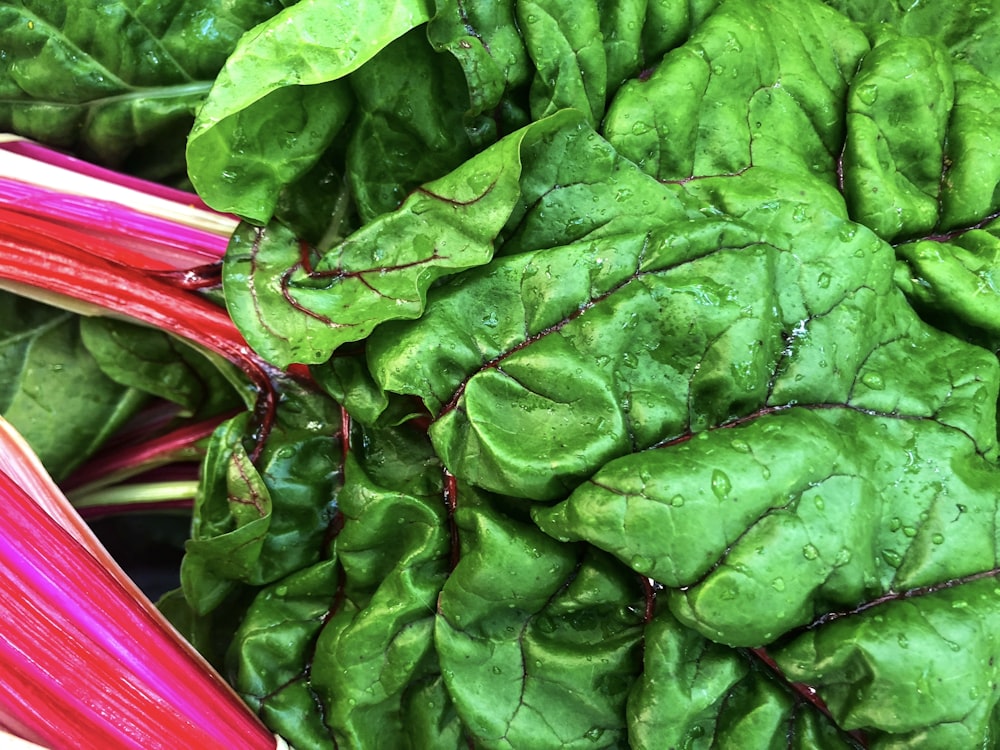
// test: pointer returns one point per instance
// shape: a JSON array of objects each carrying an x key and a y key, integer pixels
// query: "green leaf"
[
  {"x": 542, "y": 391},
  {"x": 805, "y": 517},
  {"x": 154, "y": 362},
  {"x": 735, "y": 102},
  {"x": 410, "y": 123},
  {"x": 51, "y": 388},
  {"x": 920, "y": 667},
  {"x": 484, "y": 38},
  {"x": 379, "y": 640},
  {"x": 898, "y": 113},
  {"x": 953, "y": 282},
  {"x": 280, "y": 99},
  {"x": 563, "y": 40},
  {"x": 258, "y": 521},
  {"x": 538, "y": 642},
  {"x": 115, "y": 80},
  {"x": 696, "y": 694},
  {"x": 271, "y": 653},
  {"x": 969, "y": 31},
  {"x": 293, "y": 308}
]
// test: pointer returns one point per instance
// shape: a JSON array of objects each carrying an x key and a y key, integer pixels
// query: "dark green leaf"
[
  {"x": 154, "y": 362},
  {"x": 111, "y": 78},
  {"x": 272, "y": 652},
  {"x": 382, "y": 271},
  {"x": 281, "y": 99},
  {"x": 51, "y": 388},
  {"x": 409, "y": 126},
  {"x": 256, "y": 522},
  {"x": 538, "y": 642},
  {"x": 696, "y": 694}
]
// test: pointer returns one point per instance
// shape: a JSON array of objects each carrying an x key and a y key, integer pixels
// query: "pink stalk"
[
  {"x": 69, "y": 267},
  {"x": 43, "y": 166},
  {"x": 87, "y": 660},
  {"x": 137, "y": 456},
  {"x": 103, "y": 217}
]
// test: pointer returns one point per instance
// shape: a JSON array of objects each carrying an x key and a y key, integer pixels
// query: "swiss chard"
[{"x": 659, "y": 349}]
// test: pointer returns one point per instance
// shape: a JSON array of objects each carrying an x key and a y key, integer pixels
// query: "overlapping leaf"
[
  {"x": 256, "y": 522},
  {"x": 116, "y": 80},
  {"x": 281, "y": 98},
  {"x": 45, "y": 370},
  {"x": 667, "y": 329}
]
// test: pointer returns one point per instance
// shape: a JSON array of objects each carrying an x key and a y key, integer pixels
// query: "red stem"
[
  {"x": 72, "y": 264},
  {"x": 156, "y": 450}
]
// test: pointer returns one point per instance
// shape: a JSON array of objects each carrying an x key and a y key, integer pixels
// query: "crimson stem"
[{"x": 60, "y": 260}]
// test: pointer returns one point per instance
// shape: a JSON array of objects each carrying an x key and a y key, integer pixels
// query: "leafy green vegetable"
[
  {"x": 656, "y": 353},
  {"x": 117, "y": 81},
  {"x": 54, "y": 391},
  {"x": 293, "y": 64}
]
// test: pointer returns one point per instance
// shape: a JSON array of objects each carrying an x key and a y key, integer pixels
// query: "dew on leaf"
[
  {"x": 938, "y": 539},
  {"x": 721, "y": 484},
  {"x": 677, "y": 501},
  {"x": 892, "y": 558},
  {"x": 594, "y": 734},
  {"x": 873, "y": 380},
  {"x": 809, "y": 552},
  {"x": 868, "y": 93},
  {"x": 640, "y": 564},
  {"x": 778, "y": 584}
]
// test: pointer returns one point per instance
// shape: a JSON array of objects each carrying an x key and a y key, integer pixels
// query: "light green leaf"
[{"x": 280, "y": 99}]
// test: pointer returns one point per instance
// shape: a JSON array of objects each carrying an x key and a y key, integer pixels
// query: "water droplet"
[
  {"x": 640, "y": 128},
  {"x": 677, "y": 501},
  {"x": 778, "y": 584},
  {"x": 490, "y": 320},
  {"x": 909, "y": 531},
  {"x": 718, "y": 69},
  {"x": 868, "y": 93},
  {"x": 938, "y": 539},
  {"x": 873, "y": 380},
  {"x": 740, "y": 446},
  {"x": 228, "y": 175},
  {"x": 903, "y": 641},
  {"x": 594, "y": 734},
  {"x": 895, "y": 524},
  {"x": 799, "y": 213},
  {"x": 847, "y": 232},
  {"x": 497, "y": 670},
  {"x": 819, "y": 502},
  {"x": 809, "y": 552},
  {"x": 546, "y": 624},
  {"x": 823, "y": 280},
  {"x": 892, "y": 558},
  {"x": 641, "y": 564},
  {"x": 721, "y": 484}
]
